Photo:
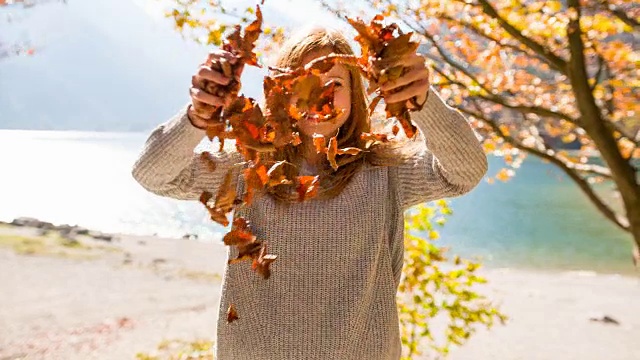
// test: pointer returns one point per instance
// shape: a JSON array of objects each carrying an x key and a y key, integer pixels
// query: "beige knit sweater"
[{"x": 331, "y": 294}]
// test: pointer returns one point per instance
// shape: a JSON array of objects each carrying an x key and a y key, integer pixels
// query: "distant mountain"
[{"x": 102, "y": 65}]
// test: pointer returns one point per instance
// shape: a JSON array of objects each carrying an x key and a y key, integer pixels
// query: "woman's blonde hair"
[{"x": 315, "y": 40}]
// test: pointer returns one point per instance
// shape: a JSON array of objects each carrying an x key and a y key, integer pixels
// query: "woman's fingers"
[
  {"x": 198, "y": 119},
  {"x": 206, "y": 73},
  {"x": 220, "y": 54},
  {"x": 204, "y": 97},
  {"x": 415, "y": 74},
  {"x": 414, "y": 83},
  {"x": 418, "y": 88},
  {"x": 202, "y": 109}
]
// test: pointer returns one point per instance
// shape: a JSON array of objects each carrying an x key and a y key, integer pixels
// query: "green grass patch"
[{"x": 51, "y": 245}]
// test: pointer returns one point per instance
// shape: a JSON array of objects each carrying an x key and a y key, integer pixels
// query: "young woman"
[{"x": 331, "y": 294}]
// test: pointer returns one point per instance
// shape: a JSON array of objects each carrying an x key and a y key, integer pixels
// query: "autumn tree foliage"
[{"x": 555, "y": 79}]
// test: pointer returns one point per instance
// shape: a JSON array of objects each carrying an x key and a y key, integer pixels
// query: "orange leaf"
[
  {"x": 276, "y": 174},
  {"x": 320, "y": 143},
  {"x": 349, "y": 151},
  {"x": 332, "y": 151},
  {"x": 240, "y": 234},
  {"x": 232, "y": 314},
  {"x": 262, "y": 262},
  {"x": 307, "y": 187},
  {"x": 246, "y": 252}
]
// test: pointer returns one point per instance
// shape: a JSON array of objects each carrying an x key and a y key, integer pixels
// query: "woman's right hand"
[{"x": 203, "y": 103}]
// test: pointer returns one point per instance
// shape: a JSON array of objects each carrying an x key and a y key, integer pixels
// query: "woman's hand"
[
  {"x": 412, "y": 86},
  {"x": 204, "y": 104}
]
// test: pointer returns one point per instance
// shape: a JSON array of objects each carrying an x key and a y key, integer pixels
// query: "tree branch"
[
  {"x": 480, "y": 33},
  {"x": 531, "y": 109},
  {"x": 604, "y": 70},
  {"x": 448, "y": 59},
  {"x": 586, "y": 168},
  {"x": 619, "y": 220},
  {"x": 601, "y": 66},
  {"x": 557, "y": 62}
]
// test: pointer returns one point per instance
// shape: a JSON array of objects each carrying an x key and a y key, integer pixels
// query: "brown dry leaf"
[
  {"x": 307, "y": 187},
  {"x": 216, "y": 214},
  {"x": 242, "y": 46},
  {"x": 373, "y": 138},
  {"x": 381, "y": 50},
  {"x": 224, "y": 200},
  {"x": 262, "y": 262},
  {"x": 240, "y": 233},
  {"x": 215, "y": 129},
  {"x": 320, "y": 143},
  {"x": 255, "y": 179},
  {"x": 248, "y": 124},
  {"x": 332, "y": 151},
  {"x": 349, "y": 151},
  {"x": 276, "y": 174},
  {"x": 232, "y": 314},
  {"x": 246, "y": 252}
]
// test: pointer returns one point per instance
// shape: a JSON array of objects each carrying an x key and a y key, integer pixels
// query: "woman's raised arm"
[
  {"x": 168, "y": 165},
  {"x": 451, "y": 162}
]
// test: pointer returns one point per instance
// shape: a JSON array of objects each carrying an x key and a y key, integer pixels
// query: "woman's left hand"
[{"x": 414, "y": 83}]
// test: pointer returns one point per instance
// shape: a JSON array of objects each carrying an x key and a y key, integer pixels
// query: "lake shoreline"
[
  {"x": 216, "y": 238},
  {"x": 538, "y": 219}
]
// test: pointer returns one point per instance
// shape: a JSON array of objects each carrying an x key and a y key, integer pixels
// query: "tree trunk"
[
  {"x": 634, "y": 226},
  {"x": 622, "y": 172}
]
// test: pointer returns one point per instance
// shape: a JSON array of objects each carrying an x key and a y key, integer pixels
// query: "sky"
[{"x": 286, "y": 11}]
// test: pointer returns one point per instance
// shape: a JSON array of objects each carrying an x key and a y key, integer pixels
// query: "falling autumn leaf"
[
  {"x": 232, "y": 314},
  {"x": 276, "y": 174},
  {"x": 261, "y": 263},
  {"x": 246, "y": 251},
  {"x": 307, "y": 187},
  {"x": 240, "y": 233}
]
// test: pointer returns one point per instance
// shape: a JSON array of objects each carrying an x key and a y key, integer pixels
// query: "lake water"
[{"x": 538, "y": 219}]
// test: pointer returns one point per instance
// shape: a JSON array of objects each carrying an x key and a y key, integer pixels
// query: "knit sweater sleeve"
[
  {"x": 168, "y": 165},
  {"x": 450, "y": 163}
]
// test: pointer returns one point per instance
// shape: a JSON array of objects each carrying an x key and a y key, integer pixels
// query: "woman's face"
[{"x": 341, "y": 101}]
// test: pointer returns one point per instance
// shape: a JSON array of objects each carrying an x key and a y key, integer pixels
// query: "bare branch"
[{"x": 557, "y": 62}]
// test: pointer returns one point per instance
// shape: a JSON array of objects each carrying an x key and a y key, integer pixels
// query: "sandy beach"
[{"x": 87, "y": 298}]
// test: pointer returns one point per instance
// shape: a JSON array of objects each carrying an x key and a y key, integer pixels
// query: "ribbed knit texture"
[{"x": 331, "y": 294}]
